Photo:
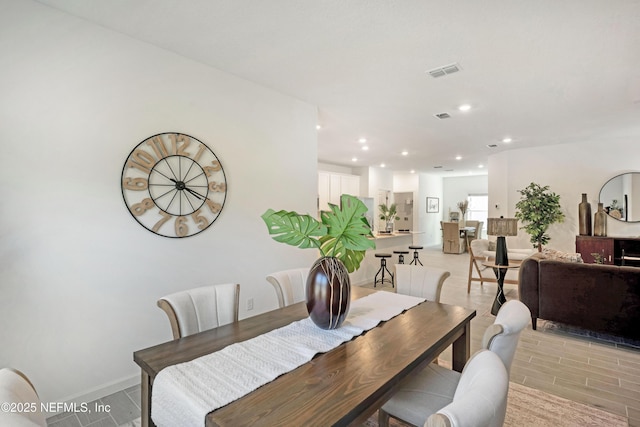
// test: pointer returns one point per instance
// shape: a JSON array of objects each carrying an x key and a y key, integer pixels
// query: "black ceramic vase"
[{"x": 328, "y": 293}]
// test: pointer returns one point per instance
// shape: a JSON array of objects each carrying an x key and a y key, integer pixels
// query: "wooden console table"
[{"x": 614, "y": 250}]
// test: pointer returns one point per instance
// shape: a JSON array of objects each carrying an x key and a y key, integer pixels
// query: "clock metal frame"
[{"x": 173, "y": 185}]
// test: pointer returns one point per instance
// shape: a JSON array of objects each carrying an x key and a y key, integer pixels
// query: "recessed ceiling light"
[
  {"x": 405, "y": 152},
  {"x": 365, "y": 147},
  {"x": 354, "y": 159},
  {"x": 318, "y": 127},
  {"x": 507, "y": 140},
  {"x": 362, "y": 140},
  {"x": 458, "y": 157},
  {"x": 412, "y": 171},
  {"x": 382, "y": 165},
  {"x": 480, "y": 166},
  {"x": 464, "y": 107}
]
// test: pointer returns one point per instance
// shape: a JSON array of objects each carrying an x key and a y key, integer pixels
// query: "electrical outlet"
[{"x": 250, "y": 304}]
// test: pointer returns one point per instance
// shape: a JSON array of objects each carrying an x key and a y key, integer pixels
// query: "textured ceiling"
[{"x": 542, "y": 72}]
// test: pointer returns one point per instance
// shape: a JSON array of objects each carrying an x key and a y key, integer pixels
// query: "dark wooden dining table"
[{"x": 341, "y": 387}]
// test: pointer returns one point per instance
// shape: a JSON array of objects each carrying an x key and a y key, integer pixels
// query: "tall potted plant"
[
  {"x": 388, "y": 214},
  {"x": 342, "y": 237},
  {"x": 538, "y": 208}
]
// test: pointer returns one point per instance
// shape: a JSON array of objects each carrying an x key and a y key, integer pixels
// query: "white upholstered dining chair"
[
  {"x": 198, "y": 309},
  {"x": 480, "y": 397},
  {"x": 435, "y": 387},
  {"x": 290, "y": 285},
  {"x": 420, "y": 281},
  {"x": 16, "y": 389}
]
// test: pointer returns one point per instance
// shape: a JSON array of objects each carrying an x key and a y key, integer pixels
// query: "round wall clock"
[{"x": 173, "y": 185}]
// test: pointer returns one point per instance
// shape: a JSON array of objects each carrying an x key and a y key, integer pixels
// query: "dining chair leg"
[{"x": 383, "y": 418}]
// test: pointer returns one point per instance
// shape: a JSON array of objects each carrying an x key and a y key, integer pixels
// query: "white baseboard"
[{"x": 101, "y": 391}]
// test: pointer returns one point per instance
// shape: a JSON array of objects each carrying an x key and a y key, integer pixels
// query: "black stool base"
[
  {"x": 381, "y": 271},
  {"x": 415, "y": 260}
]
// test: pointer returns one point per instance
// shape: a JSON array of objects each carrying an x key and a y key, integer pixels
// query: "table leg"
[
  {"x": 145, "y": 400},
  {"x": 462, "y": 349},
  {"x": 500, "y": 298}
]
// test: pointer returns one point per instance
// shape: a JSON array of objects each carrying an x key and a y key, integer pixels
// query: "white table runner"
[{"x": 184, "y": 394}]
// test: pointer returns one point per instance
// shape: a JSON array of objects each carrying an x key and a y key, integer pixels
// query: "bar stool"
[
  {"x": 383, "y": 268},
  {"x": 415, "y": 260},
  {"x": 401, "y": 255}
]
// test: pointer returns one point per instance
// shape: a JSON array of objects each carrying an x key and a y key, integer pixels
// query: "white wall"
[
  {"x": 430, "y": 186},
  {"x": 569, "y": 170},
  {"x": 457, "y": 189},
  {"x": 79, "y": 278},
  {"x": 327, "y": 167}
]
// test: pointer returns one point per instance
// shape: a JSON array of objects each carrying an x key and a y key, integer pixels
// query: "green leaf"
[
  {"x": 348, "y": 225},
  {"x": 342, "y": 234},
  {"x": 349, "y": 257},
  {"x": 294, "y": 229},
  {"x": 538, "y": 208}
]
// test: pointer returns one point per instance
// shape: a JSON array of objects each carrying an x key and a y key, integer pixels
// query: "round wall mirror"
[{"x": 620, "y": 197}]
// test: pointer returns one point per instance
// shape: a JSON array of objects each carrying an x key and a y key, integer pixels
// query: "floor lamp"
[{"x": 502, "y": 227}]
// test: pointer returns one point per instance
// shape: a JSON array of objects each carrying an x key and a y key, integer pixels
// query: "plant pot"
[{"x": 328, "y": 293}]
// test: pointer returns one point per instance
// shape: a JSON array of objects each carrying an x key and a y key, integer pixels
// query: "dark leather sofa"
[{"x": 600, "y": 298}]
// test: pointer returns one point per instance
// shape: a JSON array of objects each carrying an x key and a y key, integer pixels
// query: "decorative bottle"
[
  {"x": 600, "y": 222},
  {"x": 584, "y": 216}
]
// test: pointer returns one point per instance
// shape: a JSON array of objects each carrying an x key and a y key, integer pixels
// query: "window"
[{"x": 479, "y": 210}]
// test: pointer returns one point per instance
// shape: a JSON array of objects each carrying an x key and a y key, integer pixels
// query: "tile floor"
[{"x": 586, "y": 370}]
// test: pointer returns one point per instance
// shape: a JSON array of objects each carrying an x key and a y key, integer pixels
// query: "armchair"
[{"x": 480, "y": 251}]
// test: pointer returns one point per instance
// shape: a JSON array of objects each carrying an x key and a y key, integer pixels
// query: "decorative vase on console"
[
  {"x": 584, "y": 216},
  {"x": 600, "y": 222}
]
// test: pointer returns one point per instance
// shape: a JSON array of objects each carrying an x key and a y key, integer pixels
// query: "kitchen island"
[{"x": 384, "y": 243}]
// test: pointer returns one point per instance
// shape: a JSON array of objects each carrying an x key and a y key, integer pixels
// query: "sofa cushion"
[{"x": 561, "y": 256}]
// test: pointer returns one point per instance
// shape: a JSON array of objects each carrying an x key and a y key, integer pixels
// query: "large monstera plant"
[{"x": 342, "y": 232}]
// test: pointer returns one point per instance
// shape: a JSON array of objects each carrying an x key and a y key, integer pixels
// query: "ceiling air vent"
[
  {"x": 444, "y": 70},
  {"x": 442, "y": 115},
  {"x": 491, "y": 145}
]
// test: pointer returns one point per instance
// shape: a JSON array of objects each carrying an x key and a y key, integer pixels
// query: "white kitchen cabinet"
[{"x": 332, "y": 185}]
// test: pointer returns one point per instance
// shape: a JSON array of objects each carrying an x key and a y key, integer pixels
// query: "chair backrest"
[
  {"x": 451, "y": 230},
  {"x": 290, "y": 285},
  {"x": 502, "y": 337},
  {"x": 479, "y": 230},
  {"x": 480, "y": 399},
  {"x": 15, "y": 388},
  {"x": 478, "y": 247},
  {"x": 420, "y": 281},
  {"x": 199, "y": 309},
  {"x": 471, "y": 223},
  {"x": 453, "y": 243}
]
